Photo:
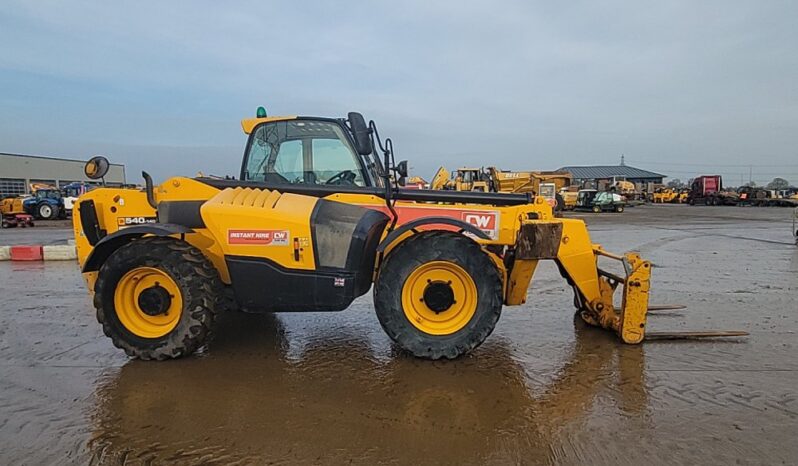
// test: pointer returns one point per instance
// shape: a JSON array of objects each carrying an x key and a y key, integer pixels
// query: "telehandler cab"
[{"x": 314, "y": 220}]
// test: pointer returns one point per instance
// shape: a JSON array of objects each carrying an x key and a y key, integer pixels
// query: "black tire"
[
  {"x": 46, "y": 211},
  {"x": 200, "y": 287},
  {"x": 438, "y": 246},
  {"x": 619, "y": 208},
  {"x": 596, "y": 209}
]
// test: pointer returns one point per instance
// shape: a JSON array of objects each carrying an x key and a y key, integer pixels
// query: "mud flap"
[{"x": 536, "y": 241}]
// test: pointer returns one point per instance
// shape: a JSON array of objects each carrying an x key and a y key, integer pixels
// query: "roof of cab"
[{"x": 248, "y": 124}]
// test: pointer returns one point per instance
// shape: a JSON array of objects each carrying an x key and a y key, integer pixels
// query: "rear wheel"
[
  {"x": 46, "y": 211},
  {"x": 596, "y": 209},
  {"x": 438, "y": 295},
  {"x": 156, "y": 298}
]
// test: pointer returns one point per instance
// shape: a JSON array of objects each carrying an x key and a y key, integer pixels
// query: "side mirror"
[
  {"x": 96, "y": 168},
  {"x": 401, "y": 169},
  {"x": 361, "y": 133}
]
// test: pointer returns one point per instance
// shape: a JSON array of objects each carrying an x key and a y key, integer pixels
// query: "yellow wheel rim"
[
  {"x": 460, "y": 301},
  {"x": 137, "y": 313}
]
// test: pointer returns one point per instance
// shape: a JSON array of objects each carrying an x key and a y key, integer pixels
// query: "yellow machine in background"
[
  {"x": 462, "y": 179},
  {"x": 526, "y": 182},
  {"x": 417, "y": 182},
  {"x": 440, "y": 180},
  {"x": 312, "y": 223},
  {"x": 543, "y": 184},
  {"x": 11, "y": 205},
  {"x": 664, "y": 196},
  {"x": 570, "y": 196},
  {"x": 12, "y": 213},
  {"x": 669, "y": 196}
]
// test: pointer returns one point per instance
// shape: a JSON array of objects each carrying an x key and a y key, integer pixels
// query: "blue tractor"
[{"x": 45, "y": 204}]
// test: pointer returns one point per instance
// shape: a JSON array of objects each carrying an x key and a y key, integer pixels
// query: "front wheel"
[
  {"x": 596, "y": 209},
  {"x": 438, "y": 295},
  {"x": 156, "y": 298},
  {"x": 619, "y": 208}
]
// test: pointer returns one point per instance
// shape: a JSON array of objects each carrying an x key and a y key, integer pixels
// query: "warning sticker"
[{"x": 259, "y": 237}]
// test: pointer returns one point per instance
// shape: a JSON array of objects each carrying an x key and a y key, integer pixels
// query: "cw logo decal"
[{"x": 488, "y": 222}]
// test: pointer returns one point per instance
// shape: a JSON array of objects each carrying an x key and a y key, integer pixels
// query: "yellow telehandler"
[{"x": 315, "y": 218}]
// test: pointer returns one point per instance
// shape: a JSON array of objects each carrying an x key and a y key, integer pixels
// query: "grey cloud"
[{"x": 516, "y": 84}]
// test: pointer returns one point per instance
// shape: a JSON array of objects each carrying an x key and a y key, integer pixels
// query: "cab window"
[
  {"x": 302, "y": 152},
  {"x": 330, "y": 158}
]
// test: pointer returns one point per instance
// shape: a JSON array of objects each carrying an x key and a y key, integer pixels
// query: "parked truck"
[
  {"x": 762, "y": 197},
  {"x": 708, "y": 190}
]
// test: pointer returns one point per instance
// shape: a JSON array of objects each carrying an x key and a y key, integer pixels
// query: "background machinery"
[
  {"x": 627, "y": 189},
  {"x": 462, "y": 179},
  {"x": 708, "y": 190},
  {"x": 72, "y": 192},
  {"x": 546, "y": 184},
  {"x": 761, "y": 197},
  {"x": 46, "y": 203},
  {"x": 12, "y": 213},
  {"x": 543, "y": 184},
  {"x": 665, "y": 196},
  {"x": 599, "y": 201},
  {"x": 314, "y": 220}
]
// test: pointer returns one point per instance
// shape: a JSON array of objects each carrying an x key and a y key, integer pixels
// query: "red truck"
[{"x": 708, "y": 190}]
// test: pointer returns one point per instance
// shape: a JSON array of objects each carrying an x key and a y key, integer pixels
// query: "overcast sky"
[{"x": 681, "y": 88}]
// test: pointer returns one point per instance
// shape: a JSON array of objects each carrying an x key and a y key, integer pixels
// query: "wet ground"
[
  {"x": 331, "y": 388},
  {"x": 43, "y": 232}
]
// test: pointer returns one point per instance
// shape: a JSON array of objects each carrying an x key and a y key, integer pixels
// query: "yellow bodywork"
[
  {"x": 543, "y": 236},
  {"x": 248, "y": 124},
  {"x": 11, "y": 205}
]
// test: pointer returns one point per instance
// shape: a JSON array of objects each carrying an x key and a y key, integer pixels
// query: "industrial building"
[
  {"x": 18, "y": 172},
  {"x": 602, "y": 176}
]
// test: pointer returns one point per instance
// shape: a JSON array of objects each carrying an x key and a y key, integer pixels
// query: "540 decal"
[{"x": 129, "y": 221}]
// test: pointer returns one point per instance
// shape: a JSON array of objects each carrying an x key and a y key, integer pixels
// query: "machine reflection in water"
[{"x": 246, "y": 401}]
